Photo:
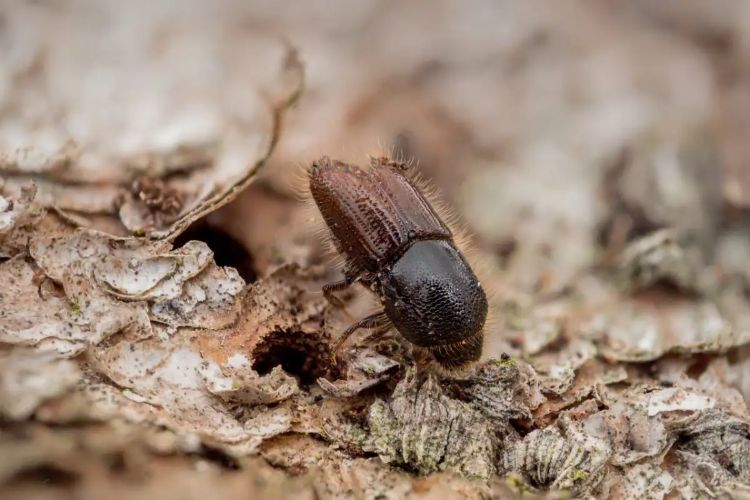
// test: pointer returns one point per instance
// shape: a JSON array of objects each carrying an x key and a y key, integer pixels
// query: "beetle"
[{"x": 394, "y": 242}]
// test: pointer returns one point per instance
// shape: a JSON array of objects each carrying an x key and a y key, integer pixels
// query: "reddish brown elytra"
[{"x": 394, "y": 243}]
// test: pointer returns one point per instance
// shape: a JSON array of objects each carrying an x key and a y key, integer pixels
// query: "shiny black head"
[{"x": 434, "y": 299}]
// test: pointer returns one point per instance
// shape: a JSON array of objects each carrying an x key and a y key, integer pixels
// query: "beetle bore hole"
[
  {"x": 48, "y": 474},
  {"x": 299, "y": 354},
  {"x": 699, "y": 365},
  {"x": 228, "y": 251},
  {"x": 219, "y": 457}
]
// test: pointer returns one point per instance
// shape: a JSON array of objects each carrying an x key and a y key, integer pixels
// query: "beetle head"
[{"x": 434, "y": 300}]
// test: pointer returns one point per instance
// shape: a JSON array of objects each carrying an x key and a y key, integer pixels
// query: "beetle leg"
[
  {"x": 377, "y": 320},
  {"x": 330, "y": 288},
  {"x": 378, "y": 332},
  {"x": 350, "y": 276}
]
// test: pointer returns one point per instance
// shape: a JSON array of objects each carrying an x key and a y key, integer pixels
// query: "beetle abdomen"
[{"x": 373, "y": 214}]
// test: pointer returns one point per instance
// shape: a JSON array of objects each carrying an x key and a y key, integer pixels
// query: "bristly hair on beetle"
[{"x": 394, "y": 241}]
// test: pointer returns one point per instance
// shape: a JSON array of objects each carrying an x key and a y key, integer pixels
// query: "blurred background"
[
  {"x": 556, "y": 129},
  {"x": 536, "y": 120}
]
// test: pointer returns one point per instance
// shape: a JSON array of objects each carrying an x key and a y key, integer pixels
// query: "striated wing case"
[{"x": 374, "y": 213}]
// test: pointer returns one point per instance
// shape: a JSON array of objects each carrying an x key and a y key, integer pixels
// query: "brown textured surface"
[
  {"x": 624, "y": 377},
  {"x": 374, "y": 214}
]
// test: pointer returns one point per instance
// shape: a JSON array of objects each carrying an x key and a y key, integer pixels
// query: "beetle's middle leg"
[
  {"x": 350, "y": 276},
  {"x": 331, "y": 288},
  {"x": 378, "y": 320}
]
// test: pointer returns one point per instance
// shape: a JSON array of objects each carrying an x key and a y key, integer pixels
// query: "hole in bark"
[
  {"x": 228, "y": 251},
  {"x": 219, "y": 457},
  {"x": 299, "y": 354},
  {"x": 699, "y": 365},
  {"x": 45, "y": 474}
]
